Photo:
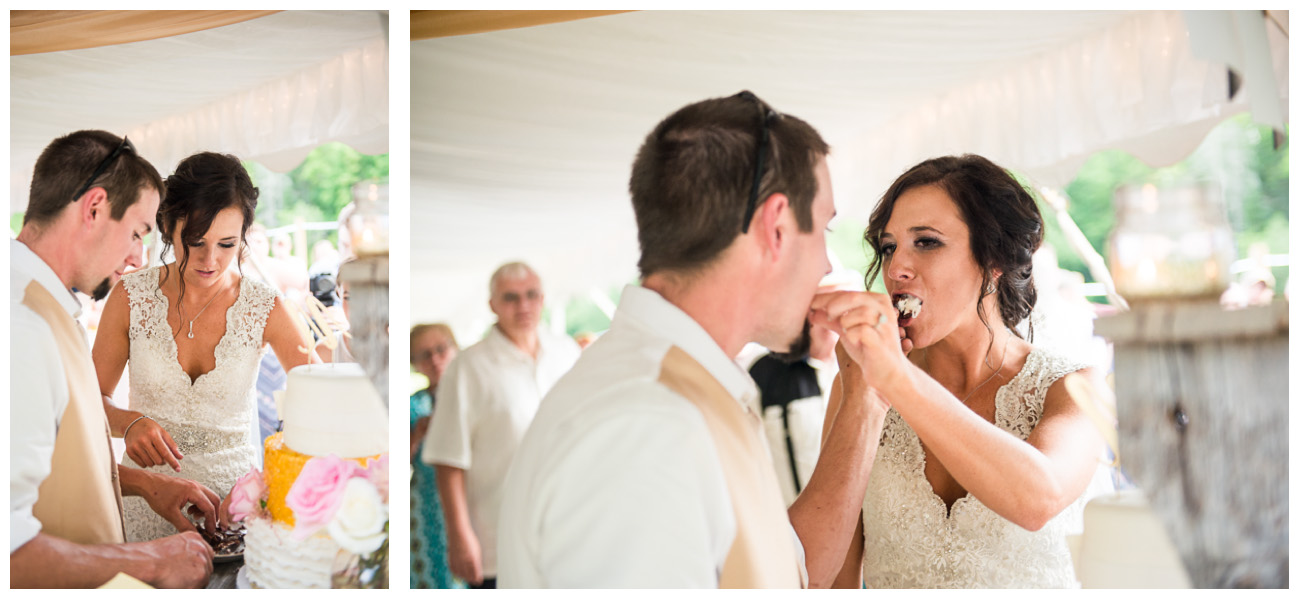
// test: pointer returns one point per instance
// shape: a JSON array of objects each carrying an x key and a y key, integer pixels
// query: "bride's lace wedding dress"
[
  {"x": 912, "y": 541},
  {"x": 211, "y": 418}
]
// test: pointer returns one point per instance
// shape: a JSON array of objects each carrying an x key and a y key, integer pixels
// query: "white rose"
[{"x": 358, "y": 526}]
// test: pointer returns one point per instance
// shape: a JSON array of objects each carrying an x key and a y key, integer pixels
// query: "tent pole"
[{"x": 1078, "y": 241}]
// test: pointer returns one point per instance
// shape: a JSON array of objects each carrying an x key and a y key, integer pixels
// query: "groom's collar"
[{"x": 26, "y": 264}]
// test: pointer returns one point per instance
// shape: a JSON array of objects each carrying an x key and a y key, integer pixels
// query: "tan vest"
[
  {"x": 81, "y": 500},
  {"x": 763, "y": 553}
]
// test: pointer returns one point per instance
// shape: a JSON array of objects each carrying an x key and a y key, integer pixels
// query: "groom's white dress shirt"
[
  {"x": 38, "y": 389},
  {"x": 617, "y": 483}
]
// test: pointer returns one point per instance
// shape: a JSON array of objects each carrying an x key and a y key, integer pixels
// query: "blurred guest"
[
  {"x": 323, "y": 276},
  {"x": 277, "y": 272},
  {"x": 345, "y": 232},
  {"x": 485, "y": 402},
  {"x": 432, "y": 348},
  {"x": 1254, "y": 286},
  {"x": 258, "y": 244},
  {"x": 340, "y": 348},
  {"x": 584, "y": 339},
  {"x": 1062, "y": 318},
  {"x": 282, "y": 248},
  {"x": 324, "y": 259},
  {"x": 292, "y": 284}
]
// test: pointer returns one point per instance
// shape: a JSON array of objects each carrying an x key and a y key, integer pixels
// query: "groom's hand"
[
  {"x": 184, "y": 560},
  {"x": 852, "y": 382},
  {"x": 148, "y": 444},
  {"x": 172, "y": 497}
]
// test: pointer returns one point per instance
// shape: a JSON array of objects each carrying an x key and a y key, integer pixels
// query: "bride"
[
  {"x": 985, "y": 454},
  {"x": 193, "y": 332}
]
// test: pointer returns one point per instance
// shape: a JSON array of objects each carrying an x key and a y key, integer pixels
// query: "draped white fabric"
[
  {"x": 522, "y": 140},
  {"x": 269, "y": 89}
]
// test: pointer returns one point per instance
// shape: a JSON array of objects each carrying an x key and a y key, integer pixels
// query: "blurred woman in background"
[{"x": 432, "y": 348}]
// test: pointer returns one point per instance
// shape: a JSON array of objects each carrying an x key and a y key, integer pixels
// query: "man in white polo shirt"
[
  {"x": 646, "y": 466},
  {"x": 486, "y": 399}
]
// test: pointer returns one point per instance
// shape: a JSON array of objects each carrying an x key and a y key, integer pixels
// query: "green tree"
[
  {"x": 1238, "y": 155},
  {"x": 316, "y": 190},
  {"x": 319, "y": 188}
]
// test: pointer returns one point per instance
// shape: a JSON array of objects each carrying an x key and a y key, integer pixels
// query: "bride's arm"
[
  {"x": 285, "y": 337},
  {"x": 1027, "y": 482},
  {"x": 149, "y": 444},
  {"x": 112, "y": 348}
]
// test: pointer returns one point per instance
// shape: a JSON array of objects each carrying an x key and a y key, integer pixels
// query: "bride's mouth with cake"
[
  {"x": 324, "y": 488},
  {"x": 909, "y": 307}
]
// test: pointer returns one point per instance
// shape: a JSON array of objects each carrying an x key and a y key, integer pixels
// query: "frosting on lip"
[{"x": 908, "y": 306}]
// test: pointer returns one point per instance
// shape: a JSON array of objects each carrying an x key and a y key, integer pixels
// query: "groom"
[
  {"x": 646, "y": 464},
  {"x": 93, "y": 200}
]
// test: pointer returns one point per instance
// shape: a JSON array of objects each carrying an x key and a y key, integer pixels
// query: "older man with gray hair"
[{"x": 486, "y": 400}]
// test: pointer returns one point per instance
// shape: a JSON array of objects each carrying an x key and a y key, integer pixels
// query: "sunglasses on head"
[
  {"x": 103, "y": 166},
  {"x": 766, "y": 116}
]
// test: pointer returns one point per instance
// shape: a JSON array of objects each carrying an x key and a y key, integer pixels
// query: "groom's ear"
[
  {"x": 93, "y": 205},
  {"x": 770, "y": 226}
]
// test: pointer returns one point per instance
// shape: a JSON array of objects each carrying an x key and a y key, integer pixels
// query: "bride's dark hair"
[
  {"x": 202, "y": 186},
  {"x": 1005, "y": 225}
]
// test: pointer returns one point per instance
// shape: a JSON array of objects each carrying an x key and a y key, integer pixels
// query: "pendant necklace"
[
  {"x": 1001, "y": 363},
  {"x": 196, "y": 317}
]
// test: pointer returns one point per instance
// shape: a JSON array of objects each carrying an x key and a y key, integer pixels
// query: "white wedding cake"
[{"x": 327, "y": 409}]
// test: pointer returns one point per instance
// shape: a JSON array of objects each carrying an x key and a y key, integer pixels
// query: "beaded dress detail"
[
  {"x": 212, "y": 418},
  {"x": 912, "y": 541}
]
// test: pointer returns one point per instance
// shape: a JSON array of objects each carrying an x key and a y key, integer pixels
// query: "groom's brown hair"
[
  {"x": 694, "y": 176},
  {"x": 66, "y": 164}
]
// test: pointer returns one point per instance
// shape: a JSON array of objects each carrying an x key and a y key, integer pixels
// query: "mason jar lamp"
[
  {"x": 368, "y": 223},
  {"x": 1171, "y": 243}
]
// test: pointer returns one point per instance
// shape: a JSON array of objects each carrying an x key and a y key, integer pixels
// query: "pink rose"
[
  {"x": 248, "y": 496},
  {"x": 316, "y": 494},
  {"x": 376, "y": 472}
]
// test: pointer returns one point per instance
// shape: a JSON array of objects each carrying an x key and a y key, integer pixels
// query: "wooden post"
[{"x": 1201, "y": 397}]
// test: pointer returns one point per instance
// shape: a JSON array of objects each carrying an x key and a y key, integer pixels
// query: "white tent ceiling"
[
  {"x": 268, "y": 89},
  {"x": 522, "y": 139}
]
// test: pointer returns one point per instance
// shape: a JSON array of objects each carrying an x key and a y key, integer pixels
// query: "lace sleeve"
[
  {"x": 146, "y": 302},
  {"x": 1025, "y": 395},
  {"x": 251, "y": 312}
]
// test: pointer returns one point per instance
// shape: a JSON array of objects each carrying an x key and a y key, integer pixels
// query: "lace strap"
[
  {"x": 251, "y": 311},
  {"x": 139, "y": 285},
  {"x": 1050, "y": 366},
  {"x": 1020, "y": 402},
  {"x": 147, "y": 313}
]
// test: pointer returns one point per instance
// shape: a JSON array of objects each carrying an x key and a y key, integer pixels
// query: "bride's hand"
[
  {"x": 148, "y": 444},
  {"x": 223, "y": 513},
  {"x": 867, "y": 324}
]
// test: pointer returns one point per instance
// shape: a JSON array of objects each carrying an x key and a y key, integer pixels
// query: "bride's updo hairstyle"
[
  {"x": 202, "y": 186},
  {"x": 1005, "y": 225}
]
